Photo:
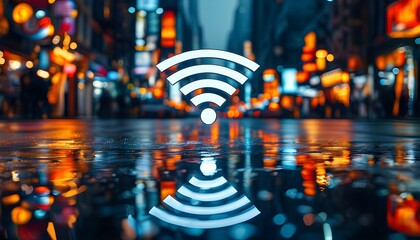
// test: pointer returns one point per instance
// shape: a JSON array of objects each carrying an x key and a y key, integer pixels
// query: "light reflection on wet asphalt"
[{"x": 288, "y": 179}]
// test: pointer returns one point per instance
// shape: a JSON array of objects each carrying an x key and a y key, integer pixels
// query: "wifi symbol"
[
  {"x": 208, "y": 115},
  {"x": 206, "y": 203}
]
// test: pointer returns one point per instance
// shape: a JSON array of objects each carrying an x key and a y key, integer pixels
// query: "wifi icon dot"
[{"x": 208, "y": 115}]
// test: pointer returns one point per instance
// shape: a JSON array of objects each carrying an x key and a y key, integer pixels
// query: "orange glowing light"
[
  {"x": 400, "y": 57},
  {"x": 399, "y": 83},
  {"x": 321, "y": 64},
  {"x": 269, "y": 164},
  {"x": 309, "y": 192},
  {"x": 42, "y": 190},
  {"x": 403, "y": 20},
  {"x": 309, "y": 219},
  {"x": 321, "y": 53},
  {"x": 237, "y": 114},
  {"x": 401, "y": 214},
  {"x": 287, "y": 102},
  {"x": 51, "y": 231},
  {"x": 330, "y": 57},
  {"x": 133, "y": 94},
  {"x": 168, "y": 32},
  {"x": 273, "y": 106},
  {"x": 158, "y": 93},
  {"x": 307, "y": 57},
  {"x": 233, "y": 131},
  {"x": 22, "y": 13},
  {"x": 269, "y": 75},
  {"x": 21, "y": 215},
  {"x": 230, "y": 114},
  {"x": 143, "y": 91},
  {"x": 51, "y": 30},
  {"x": 354, "y": 62},
  {"x": 314, "y": 102},
  {"x": 12, "y": 199},
  {"x": 345, "y": 77},
  {"x": 299, "y": 100},
  {"x": 321, "y": 177},
  {"x": 266, "y": 96},
  {"x": 29, "y": 64},
  {"x": 81, "y": 85},
  {"x": 381, "y": 62},
  {"x": 334, "y": 77},
  {"x": 302, "y": 77},
  {"x": 167, "y": 188},
  {"x": 310, "y": 42},
  {"x": 271, "y": 84},
  {"x": 309, "y": 67},
  {"x": 43, "y": 74}
]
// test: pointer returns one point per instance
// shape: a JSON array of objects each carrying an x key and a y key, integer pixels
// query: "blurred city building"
[
  {"x": 335, "y": 58},
  {"x": 394, "y": 55},
  {"x": 67, "y": 47},
  {"x": 323, "y": 58}
]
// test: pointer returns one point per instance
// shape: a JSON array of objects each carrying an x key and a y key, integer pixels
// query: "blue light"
[
  {"x": 39, "y": 213},
  {"x": 159, "y": 10},
  {"x": 279, "y": 219},
  {"x": 131, "y": 9},
  {"x": 395, "y": 71},
  {"x": 40, "y": 14},
  {"x": 417, "y": 41},
  {"x": 289, "y": 82},
  {"x": 112, "y": 75},
  {"x": 387, "y": 81},
  {"x": 288, "y": 230}
]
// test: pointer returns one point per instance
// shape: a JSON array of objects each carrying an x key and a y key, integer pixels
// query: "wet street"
[{"x": 236, "y": 179}]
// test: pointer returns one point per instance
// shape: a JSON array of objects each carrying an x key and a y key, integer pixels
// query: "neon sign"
[{"x": 403, "y": 19}]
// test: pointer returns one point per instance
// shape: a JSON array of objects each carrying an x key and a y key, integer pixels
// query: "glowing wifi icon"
[
  {"x": 208, "y": 115},
  {"x": 206, "y": 203}
]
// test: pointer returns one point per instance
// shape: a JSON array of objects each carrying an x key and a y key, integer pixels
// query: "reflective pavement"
[{"x": 236, "y": 179}]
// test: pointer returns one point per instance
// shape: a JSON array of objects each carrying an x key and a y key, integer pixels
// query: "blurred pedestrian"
[
  {"x": 2, "y": 91},
  {"x": 105, "y": 104},
  {"x": 26, "y": 97},
  {"x": 11, "y": 94}
]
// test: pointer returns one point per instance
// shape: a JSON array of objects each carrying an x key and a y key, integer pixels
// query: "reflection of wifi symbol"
[
  {"x": 208, "y": 115},
  {"x": 206, "y": 203}
]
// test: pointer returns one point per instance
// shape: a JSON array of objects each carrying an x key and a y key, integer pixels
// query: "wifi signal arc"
[
  {"x": 203, "y": 224},
  {"x": 207, "y": 53},
  {"x": 175, "y": 204},
  {"x": 208, "y": 97},
  {"x": 207, "y": 83},
  {"x": 206, "y": 68}
]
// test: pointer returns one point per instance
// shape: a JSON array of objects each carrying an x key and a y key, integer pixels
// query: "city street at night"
[
  {"x": 308, "y": 179},
  {"x": 209, "y": 119}
]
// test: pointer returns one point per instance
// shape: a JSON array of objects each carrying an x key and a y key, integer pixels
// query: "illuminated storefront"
[
  {"x": 396, "y": 61},
  {"x": 336, "y": 87},
  {"x": 403, "y": 19},
  {"x": 396, "y": 81}
]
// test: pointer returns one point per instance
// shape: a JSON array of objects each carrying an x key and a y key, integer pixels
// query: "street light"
[
  {"x": 29, "y": 64},
  {"x": 330, "y": 57},
  {"x": 321, "y": 53},
  {"x": 22, "y": 13},
  {"x": 73, "y": 45}
]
